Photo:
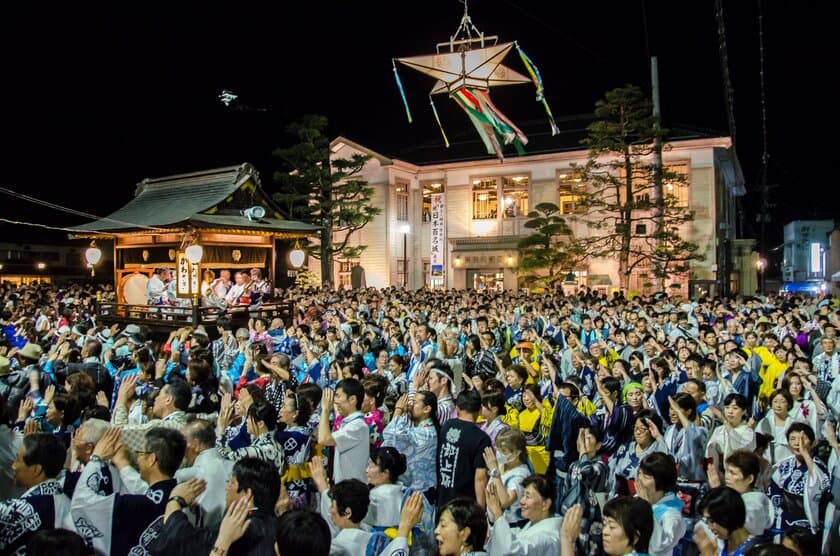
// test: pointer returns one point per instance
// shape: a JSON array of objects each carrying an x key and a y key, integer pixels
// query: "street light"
[
  {"x": 760, "y": 265},
  {"x": 405, "y": 229}
]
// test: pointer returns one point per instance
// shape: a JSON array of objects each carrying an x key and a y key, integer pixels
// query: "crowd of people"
[{"x": 387, "y": 422}]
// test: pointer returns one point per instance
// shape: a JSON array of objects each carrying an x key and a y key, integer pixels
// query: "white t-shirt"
[{"x": 352, "y": 448}]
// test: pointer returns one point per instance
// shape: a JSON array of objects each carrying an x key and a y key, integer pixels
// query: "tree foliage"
[
  {"x": 617, "y": 198},
  {"x": 312, "y": 188},
  {"x": 548, "y": 253}
]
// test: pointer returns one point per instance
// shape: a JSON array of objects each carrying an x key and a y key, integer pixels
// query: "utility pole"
[{"x": 657, "y": 195}]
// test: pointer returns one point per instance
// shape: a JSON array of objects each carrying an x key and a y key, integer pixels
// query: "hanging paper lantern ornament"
[{"x": 466, "y": 67}]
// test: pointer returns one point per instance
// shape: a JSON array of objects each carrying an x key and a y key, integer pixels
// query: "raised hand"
[
  {"x": 235, "y": 523},
  {"x": 411, "y": 514},
  {"x": 319, "y": 474},
  {"x": 494, "y": 506},
  {"x": 31, "y": 427},
  {"x": 654, "y": 431},
  {"x": 189, "y": 490},
  {"x": 109, "y": 444},
  {"x": 102, "y": 399},
  {"x": 25, "y": 408},
  {"x": 126, "y": 391},
  {"x": 402, "y": 404},
  {"x": 570, "y": 529},
  {"x": 49, "y": 394},
  {"x": 327, "y": 399},
  {"x": 713, "y": 475},
  {"x": 284, "y": 502},
  {"x": 490, "y": 459}
]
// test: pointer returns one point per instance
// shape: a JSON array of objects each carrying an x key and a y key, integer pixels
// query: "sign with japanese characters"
[
  {"x": 438, "y": 249},
  {"x": 186, "y": 276}
]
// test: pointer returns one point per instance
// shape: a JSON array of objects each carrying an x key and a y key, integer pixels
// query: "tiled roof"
[{"x": 182, "y": 199}]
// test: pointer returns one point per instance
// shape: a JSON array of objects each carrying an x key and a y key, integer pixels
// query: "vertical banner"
[
  {"x": 186, "y": 276},
  {"x": 436, "y": 259}
]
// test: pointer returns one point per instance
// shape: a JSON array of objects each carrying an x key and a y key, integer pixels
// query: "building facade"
[
  {"x": 457, "y": 224},
  {"x": 26, "y": 263},
  {"x": 806, "y": 249}
]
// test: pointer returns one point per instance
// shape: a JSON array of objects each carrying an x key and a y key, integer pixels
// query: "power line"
[
  {"x": 37, "y": 225},
  {"x": 75, "y": 212}
]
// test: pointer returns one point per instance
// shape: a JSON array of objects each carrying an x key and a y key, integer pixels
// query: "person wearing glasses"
[
  {"x": 122, "y": 524},
  {"x": 723, "y": 517},
  {"x": 647, "y": 439}
]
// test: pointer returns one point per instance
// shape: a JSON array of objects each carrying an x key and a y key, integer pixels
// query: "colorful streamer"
[
  {"x": 402, "y": 92},
  {"x": 538, "y": 83},
  {"x": 494, "y": 127},
  {"x": 437, "y": 119}
]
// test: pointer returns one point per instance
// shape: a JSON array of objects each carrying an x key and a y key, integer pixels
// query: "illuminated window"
[
  {"x": 485, "y": 199},
  {"x": 515, "y": 195},
  {"x": 400, "y": 274},
  {"x": 569, "y": 185},
  {"x": 429, "y": 189},
  {"x": 344, "y": 270},
  {"x": 401, "y": 200},
  {"x": 816, "y": 258},
  {"x": 675, "y": 184}
]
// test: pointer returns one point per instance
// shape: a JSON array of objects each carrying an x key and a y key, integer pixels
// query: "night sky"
[{"x": 98, "y": 96}]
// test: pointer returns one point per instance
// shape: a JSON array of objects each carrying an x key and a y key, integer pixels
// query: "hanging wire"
[
  {"x": 37, "y": 225},
  {"x": 54, "y": 206},
  {"x": 765, "y": 155}
]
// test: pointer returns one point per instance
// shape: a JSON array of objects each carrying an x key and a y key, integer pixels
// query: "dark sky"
[{"x": 98, "y": 96}]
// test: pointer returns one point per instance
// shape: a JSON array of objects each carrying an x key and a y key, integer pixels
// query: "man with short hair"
[
  {"x": 84, "y": 442},
  {"x": 439, "y": 382},
  {"x": 352, "y": 439},
  {"x": 205, "y": 463},
  {"x": 302, "y": 532},
  {"x": 156, "y": 287},
  {"x": 254, "y": 480},
  {"x": 44, "y": 505},
  {"x": 126, "y": 524},
  {"x": 343, "y": 507},
  {"x": 169, "y": 410},
  {"x": 237, "y": 290},
  {"x": 221, "y": 285},
  {"x": 827, "y": 362},
  {"x": 461, "y": 444}
]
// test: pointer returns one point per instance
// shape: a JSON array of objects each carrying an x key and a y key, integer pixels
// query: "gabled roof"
[
  {"x": 199, "y": 199},
  {"x": 339, "y": 142}
]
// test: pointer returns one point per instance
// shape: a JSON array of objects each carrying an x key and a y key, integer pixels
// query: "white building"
[
  {"x": 806, "y": 250},
  {"x": 485, "y": 206}
]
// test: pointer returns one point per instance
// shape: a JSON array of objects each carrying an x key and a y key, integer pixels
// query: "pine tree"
[
  {"x": 314, "y": 189},
  {"x": 548, "y": 253},
  {"x": 618, "y": 198}
]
